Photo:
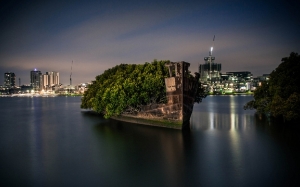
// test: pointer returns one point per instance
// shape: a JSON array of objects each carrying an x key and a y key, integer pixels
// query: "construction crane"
[
  {"x": 213, "y": 44},
  {"x": 71, "y": 74}
]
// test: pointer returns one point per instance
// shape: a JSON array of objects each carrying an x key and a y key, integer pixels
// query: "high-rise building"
[
  {"x": 9, "y": 79},
  {"x": 45, "y": 81},
  {"x": 210, "y": 71},
  {"x": 56, "y": 78},
  {"x": 50, "y": 79},
  {"x": 36, "y": 80}
]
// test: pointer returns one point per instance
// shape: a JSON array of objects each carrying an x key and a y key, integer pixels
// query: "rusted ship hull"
[{"x": 181, "y": 89}]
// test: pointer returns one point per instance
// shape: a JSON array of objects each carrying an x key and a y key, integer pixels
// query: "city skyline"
[
  {"x": 249, "y": 35},
  {"x": 49, "y": 78}
]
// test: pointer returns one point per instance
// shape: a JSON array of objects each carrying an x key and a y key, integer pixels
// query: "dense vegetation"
[
  {"x": 125, "y": 87},
  {"x": 280, "y": 96}
]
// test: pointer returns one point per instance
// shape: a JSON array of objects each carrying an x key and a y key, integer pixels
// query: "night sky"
[{"x": 97, "y": 35}]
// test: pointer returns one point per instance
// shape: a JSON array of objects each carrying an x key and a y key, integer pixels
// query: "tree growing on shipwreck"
[{"x": 126, "y": 88}]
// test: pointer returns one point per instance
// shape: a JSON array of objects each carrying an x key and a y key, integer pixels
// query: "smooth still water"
[{"x": 52, "y": 142}]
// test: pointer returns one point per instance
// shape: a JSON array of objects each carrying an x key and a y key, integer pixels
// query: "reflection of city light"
[
  {"x": 232, "y": 112},
  {"x": 234, "y": 134},
  {"x": 211, "y": 120},
  {"x": 232, "y": 122}
]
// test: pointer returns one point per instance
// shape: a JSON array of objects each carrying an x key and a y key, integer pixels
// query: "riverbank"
[
  {"x": 42, "y": 95},
  {"x": 231, "y": 93}
]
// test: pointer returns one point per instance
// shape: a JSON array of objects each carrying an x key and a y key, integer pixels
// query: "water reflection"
[
  {"x": 147, "y": 150},
  {"x": 219, "y": 114},
  {"x": 50, "y": 134},
  {"x": 222, "y": 113},
  {"x": 36, "y": 140},
  {"x": 227, "y": 146}
]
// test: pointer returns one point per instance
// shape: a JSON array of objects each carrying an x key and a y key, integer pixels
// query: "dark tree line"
[{"x": 280, "y": 96}]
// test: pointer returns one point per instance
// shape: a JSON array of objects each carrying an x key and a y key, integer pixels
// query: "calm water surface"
[{"x": 52, "y": 142}]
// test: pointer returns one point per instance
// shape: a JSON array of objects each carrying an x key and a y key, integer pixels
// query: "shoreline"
[
  {"x": 42, "y": 95},
  {"x": 229, "y": 94}
]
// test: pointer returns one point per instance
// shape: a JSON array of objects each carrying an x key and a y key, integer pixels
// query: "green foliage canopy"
[
  {"x": 128, "y": 86},
  {"x": 280, "y": 96}
]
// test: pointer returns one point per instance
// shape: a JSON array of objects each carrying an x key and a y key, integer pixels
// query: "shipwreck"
[{"x": 181, "y": 90}]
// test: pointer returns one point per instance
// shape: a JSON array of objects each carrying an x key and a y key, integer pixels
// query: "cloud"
[{"x": 108, "y": 35}]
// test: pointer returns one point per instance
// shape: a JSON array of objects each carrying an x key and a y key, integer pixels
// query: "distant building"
[
  {"x": 26, "y": 88},
  {"x": 53, "y": 78},
  {"x": 259, "y": 79},
  {"x": 210, "y": 71},
  {"x": 81, "y": 88},
  {"x": 50, "y": 79},
  {"x": 36, "y": 80},
  {"x": 45, "y": 81},
  {"x": 264, "y": 77},
  {"x": 9, "y": 79},
  {"x": 239, "y": 81},
  {"x": 240, "y": 75}
]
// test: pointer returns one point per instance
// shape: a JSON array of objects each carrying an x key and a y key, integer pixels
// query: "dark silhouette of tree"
[{"x": 280, "y": 96}]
